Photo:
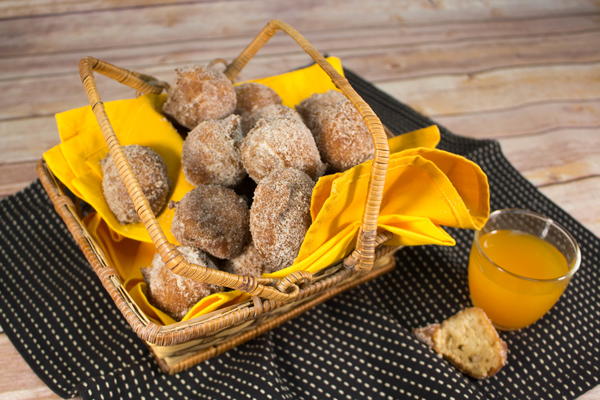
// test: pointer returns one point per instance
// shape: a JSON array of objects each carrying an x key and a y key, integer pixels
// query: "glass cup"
[{"x": 520, "y": 264}]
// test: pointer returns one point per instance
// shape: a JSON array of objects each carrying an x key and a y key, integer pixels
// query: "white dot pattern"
[{"x": 357, "y": 345}]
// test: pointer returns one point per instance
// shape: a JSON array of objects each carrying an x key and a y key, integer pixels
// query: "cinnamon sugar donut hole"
[
  {"x": 280, "y": 216},
  {"x": 310, "y": 107},
  {"x": 252, "y": 96},
  {"x": 175, "y": 294},
  {"x": 211, "y": 153},
  {"x": 277, "y": 144},
  {"x": 200, "y": 93},
  {"x": 214, "y": 219},
  {"x": 250, "y": 262},
  {"x": 339, "y": 130},
  {"x": 273, "y": 111},
  {"x": 151, "y": 173}
]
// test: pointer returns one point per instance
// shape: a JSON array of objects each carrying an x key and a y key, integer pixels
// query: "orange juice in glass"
[{"x": 520, "y": 264}]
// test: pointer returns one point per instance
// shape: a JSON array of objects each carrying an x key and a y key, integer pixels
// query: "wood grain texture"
[
  {"x": 436, "y": 79},
  {"x": 498, "y": 88},
  {"x": 16, "y": 176},
  {"x": 474, "y": 56},
  {"x": 414, "y": 10},
  {"x": 528, "y": 119},
  {"x": 27, "y": 139},
  {"x": 407, "y": 38},
  {"x": 30, "y": 8},
  {"x": 143, "y": 25},
  {"x": 580, "y": 199},
  {"x": 553, "y": 157}
]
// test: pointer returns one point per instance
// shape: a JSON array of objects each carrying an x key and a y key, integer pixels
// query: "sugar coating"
[
  {"x": 211, "y": 153},
  {"x": 344, "y": 140},
  {"x": 151, "y": 173},
  {"x": 252, "y": 96},
  {"x": 175, "y": 294},
  {"x": 200, "y": 93},
  {"x": 339, "y": 130},
  {"x": 250, "y": 262},
  {"x": 309, "y": 108},
  {"x": 280, "y": 216},
  {"x": 277, "y": 144},
  {"x": 273, "y": 111},
  {"x": 214, "y": 219}
]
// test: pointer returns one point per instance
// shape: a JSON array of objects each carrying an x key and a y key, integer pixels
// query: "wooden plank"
[
  {"x": 16, "y": 176},
  {"x": 35, "y": 96},
  {"x": 557, "y": 156},
  {"x": 20, "y": 8},
  {"x": 140, "y": 26},
  {"x": 29, "y": 8},
  {"x": 26, "y": 139},
  {"x": 473, "y": 55},
  {"x": 580, "y": 199},
  {"x": 18, "y": 381},
  {"x": 408, "y": 39},
  {"x": 529, "y": 119},
  {"x": 497, "y": 89}
]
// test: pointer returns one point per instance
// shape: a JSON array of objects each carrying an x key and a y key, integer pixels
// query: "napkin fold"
[
  {"x": 76, "y": 160},
  {"x": 425, "y": 189}
]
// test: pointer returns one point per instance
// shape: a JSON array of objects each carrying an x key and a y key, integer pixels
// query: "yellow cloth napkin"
[
  {"x": 425, "y": 188},
  {"x": 76, "y": 160}
]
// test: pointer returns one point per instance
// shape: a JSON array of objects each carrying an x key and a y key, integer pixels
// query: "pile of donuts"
[{"x": 253, "y": 162}]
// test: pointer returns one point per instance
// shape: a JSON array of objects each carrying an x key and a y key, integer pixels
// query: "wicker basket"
[{"x": 274, "y": 301}]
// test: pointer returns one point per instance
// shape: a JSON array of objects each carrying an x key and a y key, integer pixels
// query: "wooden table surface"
[{"x": 525, "y": 73}]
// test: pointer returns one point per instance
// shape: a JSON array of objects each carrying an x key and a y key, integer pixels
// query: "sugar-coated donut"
[
  {"x": 250, "y": 262},
  {"x": 339, "y": 130},
  {"x": 211, "y": 153},
  {"x": 200, "y": 93},
  {"x": 280, "y": 143},
  {"x": 151, "y": 173},
  {"x": 273, "y": 111},
  {"x": 252, "y": 96},
  {"x": 310, "y": 107},
  {"x": 280, "y": 216},
  {"x": 214, "y": 219},
  {"x": 175, "y": 294}
]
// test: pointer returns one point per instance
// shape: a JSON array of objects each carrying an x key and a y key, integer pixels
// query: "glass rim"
[{"x": 573, "y": 266}]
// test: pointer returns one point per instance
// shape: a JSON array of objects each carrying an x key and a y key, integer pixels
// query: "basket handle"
[
  {"x": 366, "y": 243},
  {"x": 285, "y": 290}
]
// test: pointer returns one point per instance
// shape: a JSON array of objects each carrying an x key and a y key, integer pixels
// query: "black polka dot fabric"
[{"x": 357, "y": 345}]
